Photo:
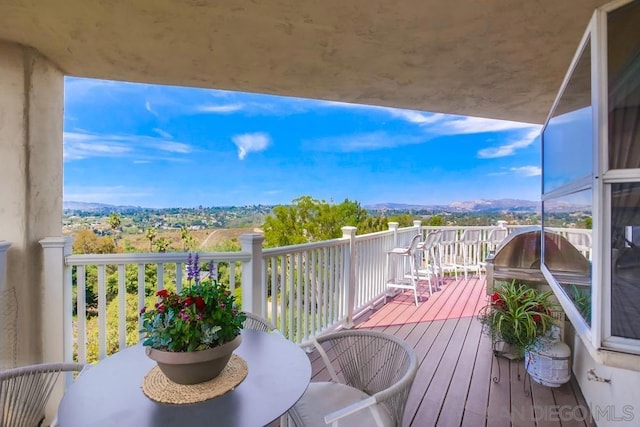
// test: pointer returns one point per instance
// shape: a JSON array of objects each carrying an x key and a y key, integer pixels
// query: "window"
[
  {"x": 567, "y": 179},
  {"x": 591, "y": 165},
  {"x": 622, "y": 179}
]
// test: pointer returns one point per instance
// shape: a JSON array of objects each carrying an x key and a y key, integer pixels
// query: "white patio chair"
[
  {"x": 448, "y": 252},
  {"x": 470, "y": 246},
  {"x": 24, "y": 392},
  {"x": 378, "y": 370},
  {"x": 398, "y": 258},
  {"x": 258, "y": 323},
  {"x": 429, "y": 262},
  {"x": 495, "y": 237}
]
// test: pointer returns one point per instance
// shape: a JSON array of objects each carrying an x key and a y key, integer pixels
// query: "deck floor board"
[{"x": 454, "y": 385}]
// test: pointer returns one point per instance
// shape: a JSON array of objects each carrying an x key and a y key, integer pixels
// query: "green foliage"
[
  {"x": 435, "y": 221},
  {"x": 151, "y": 234},
  {"x": 203, "y": 315},
  {"x": 517, "y": 315},
  {"x": 404, "y": 220},
  {"x": 131, "y": 325},
  {"x": 162, "y": 244},
  {"x": 582, "y": 301},
  {"x": 87, "y": 242},
  {"x": 311, "y": 220}
]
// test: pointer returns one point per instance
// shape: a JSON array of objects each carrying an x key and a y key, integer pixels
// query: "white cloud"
[
  {"x": 509, "y": 149},
  {"x": 147, "y": 106},
  {"x": 219, "y": 108},
  {"x": 162, "y": 133},
  {"x": 467, "y": 125},
  {"x": 80, "y": 145},
  {"x": 362, "y": 142},
  {"x": 251, "y": 142},
  {"x": 416, "y": 117},
  {"x": 527, "y": 170}
]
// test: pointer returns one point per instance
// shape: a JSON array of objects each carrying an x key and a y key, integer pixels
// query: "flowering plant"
[
  {"x": 201, "y": 316},
  {"x": 517, "y": 315}
]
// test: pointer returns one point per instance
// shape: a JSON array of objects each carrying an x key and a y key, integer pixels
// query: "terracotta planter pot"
[{"x": 192, "y": 367}]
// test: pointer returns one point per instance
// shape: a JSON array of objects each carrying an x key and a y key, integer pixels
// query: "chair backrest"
[
  {"x": 431, "y": 240},
  {"x": 414, "y": 243},
  {"x": 497, "y": 235},
  {"x": 257, "y": 323},
  {"x": 24, "y": 392},
  {"x": 376, "y": 363}
]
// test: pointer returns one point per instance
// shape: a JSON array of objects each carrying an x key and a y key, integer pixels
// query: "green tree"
[
  {"x": 188, "y": 241},
  {"x": 435, "y": 221},
  {"x": 114, "y": 222},
  {"x": 162, "y": 244},
  {"x": 151, "y": 234}
]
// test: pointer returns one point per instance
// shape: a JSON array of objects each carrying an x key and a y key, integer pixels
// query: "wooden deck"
[{"x": 454, "y": 384}]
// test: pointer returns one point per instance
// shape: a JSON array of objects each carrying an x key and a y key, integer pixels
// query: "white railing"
[{"x": 303, "y": 289}]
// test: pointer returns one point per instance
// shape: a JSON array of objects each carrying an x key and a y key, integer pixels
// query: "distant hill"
[
  {"x": 94, "y": 207},
  {"x": 481, "y": 205},
  {"x": 478, "y": 206}
]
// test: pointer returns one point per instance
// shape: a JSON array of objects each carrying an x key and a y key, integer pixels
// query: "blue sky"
[{"x": 165, "y": 146}]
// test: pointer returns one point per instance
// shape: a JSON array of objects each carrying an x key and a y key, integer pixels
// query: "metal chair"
[
  {"x": 24, "y": 392},
  {"x": 403, "y": 279},
  {"x": 378, "y": 371},
  {"x": 258, "y": 323}
]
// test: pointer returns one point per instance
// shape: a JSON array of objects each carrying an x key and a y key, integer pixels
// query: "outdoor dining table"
[{"x": 110, "y": 393}]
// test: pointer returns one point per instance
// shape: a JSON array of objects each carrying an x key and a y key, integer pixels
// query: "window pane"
[
  {"x": 624, "y": 87},
  {"x": 566, "y": 140},
  {"x": 625, "y": 260},
  {"x": 567, "y": 246}
]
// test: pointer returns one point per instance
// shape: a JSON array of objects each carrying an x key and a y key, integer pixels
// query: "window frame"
[{"x": 599, "y": 334}]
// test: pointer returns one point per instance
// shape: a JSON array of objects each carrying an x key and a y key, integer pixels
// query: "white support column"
[
  {"x": 252, "y": 272},
  {"x": 31, "y": 160},
  {"x": 57, "y": 311},
  {"x": 57, "y": 306},
  {"x": 349, "y": 232}
]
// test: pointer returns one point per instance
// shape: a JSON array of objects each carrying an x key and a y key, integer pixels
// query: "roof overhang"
[{"x": 501, "y": 59}]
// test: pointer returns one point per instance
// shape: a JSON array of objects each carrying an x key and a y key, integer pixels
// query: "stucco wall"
[
  {"x": 31, "y": 108},
  {"x": 612, "y": 404}
]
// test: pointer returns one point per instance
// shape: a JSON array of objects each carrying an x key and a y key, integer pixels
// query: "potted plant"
[
  {"x": 517, "y": 316},
  {"x": 191, "y": 334}
]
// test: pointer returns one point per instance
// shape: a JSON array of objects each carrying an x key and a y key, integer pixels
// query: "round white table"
[{"x": 110, "y": 393}]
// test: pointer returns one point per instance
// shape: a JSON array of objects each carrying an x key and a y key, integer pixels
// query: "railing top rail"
[
  {"x": 369, "y": 236},
  {"x": 153, "y": 258},
  {"x": 285, "y": 250}
]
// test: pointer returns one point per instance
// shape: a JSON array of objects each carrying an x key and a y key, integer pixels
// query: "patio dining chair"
[
  {"x": 429, "y": 261},
  {"x": 24, "y": 392},
  {"x": 377, "y": 371},
  {"x": 470, "y": 243},
  {"x": 398, "y": 275},
  {"x": 258, "y": 323}
]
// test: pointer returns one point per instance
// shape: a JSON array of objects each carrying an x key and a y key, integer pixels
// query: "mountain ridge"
[{"x": 478, "y": 205}]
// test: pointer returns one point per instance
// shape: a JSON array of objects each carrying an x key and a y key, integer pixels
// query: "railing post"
[
  {"x": 252, "y": 273},
  {"x": 349, "y": 232},
  {"x": 393, "y": 226},
  {"x": 57, "y": 310},
  {"x": 418, "y": 225}
]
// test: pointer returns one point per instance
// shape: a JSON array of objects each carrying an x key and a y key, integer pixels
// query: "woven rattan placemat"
[{"x": 156, "y": 386}]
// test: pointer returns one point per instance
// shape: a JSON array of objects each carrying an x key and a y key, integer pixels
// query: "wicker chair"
[
  {"x": 24, "y": 392},
  {"x": 378, "y": 370},
  {"x": 257, "y": 323}
]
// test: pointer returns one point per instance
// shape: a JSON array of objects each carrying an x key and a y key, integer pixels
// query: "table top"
[{"x": 110, "y": 393}]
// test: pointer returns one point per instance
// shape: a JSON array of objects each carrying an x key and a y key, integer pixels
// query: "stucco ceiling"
[{"x": 489, "y": 58}]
